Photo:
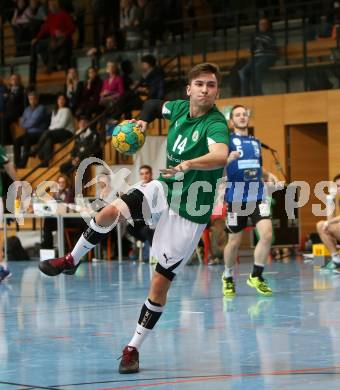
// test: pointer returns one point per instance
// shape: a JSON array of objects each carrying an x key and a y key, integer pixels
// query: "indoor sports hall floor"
[{"x": 67, "y": 332}]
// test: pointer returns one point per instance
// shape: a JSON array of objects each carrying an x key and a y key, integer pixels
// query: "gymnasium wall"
[{"x": 305, "y": 130}]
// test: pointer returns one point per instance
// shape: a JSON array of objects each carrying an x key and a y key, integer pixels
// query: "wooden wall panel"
[
  {"x": 312, "y": 140},
  {"x": 308, "y": 107},
  {"x": 272, "y": 114},
  {"x": 333, "y": 111},
  {"x": 269, "y": 128}
]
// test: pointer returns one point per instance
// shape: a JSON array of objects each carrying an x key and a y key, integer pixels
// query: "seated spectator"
[
  {"x": 129, "y": 24},
  {"x": 34, "y": 121},
  {"x": 150, "y": 86},
  {"x": 64, "y": 195},
  {"x": 329, "y": 232},
  {"x": 73, "y": 87},
  {"x": 21, "y": 29},
  {"x": 56, "y": 48},
  {"x": 61, "y": 129},
  {"x": 89, "y": 95},
  {"x": 36, "y": 14},
  {"x": 106, "y": 53},
  {"x": 86, "y": 144},
  {"x": 264, "y": 55},
  {"x": 113, "y": 86},
  {"x": 14, "y": 107}
]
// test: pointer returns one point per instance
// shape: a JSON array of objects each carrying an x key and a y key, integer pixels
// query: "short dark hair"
[
  {"x": 205, "y": 67},
  {"x": 234, "y": 108},
  {"x": 145, "y": 167},
  {"x": 149, "y": 59},
  {"x": 33, "y": 92},
  {"x": 336, "y": 177}
]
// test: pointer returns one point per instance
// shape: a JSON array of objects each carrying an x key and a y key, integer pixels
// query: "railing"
[
  {"x": 201, "y": 33},
  {"x": 93, "y": 122},
  {"x": 228, "y": 17}
]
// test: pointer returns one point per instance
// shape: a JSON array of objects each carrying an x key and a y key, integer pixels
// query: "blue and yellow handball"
[{"x": 127, "y": 137}]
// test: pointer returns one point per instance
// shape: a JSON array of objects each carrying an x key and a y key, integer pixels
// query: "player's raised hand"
[
  {"x": 167, "y": 173},
  {"x": 233, "y": 156},
  {"x": 142, "y": 124}
]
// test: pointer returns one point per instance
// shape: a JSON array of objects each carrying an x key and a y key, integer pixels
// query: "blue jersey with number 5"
[{"x": 244, "y": 173}]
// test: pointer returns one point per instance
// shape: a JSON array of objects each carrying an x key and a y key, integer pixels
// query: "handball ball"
[{"x": 127, "y": 137}]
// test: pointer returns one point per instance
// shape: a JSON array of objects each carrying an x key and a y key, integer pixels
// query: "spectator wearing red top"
[
  {"x": 113, "y": 86},
  {"x": 54, "y": 40}
]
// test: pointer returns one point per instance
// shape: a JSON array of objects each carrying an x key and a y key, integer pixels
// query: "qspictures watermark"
[{"x": 297, "y": 194}]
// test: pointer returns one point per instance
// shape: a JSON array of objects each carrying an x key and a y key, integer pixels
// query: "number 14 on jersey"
[{"x": 179, "y": 144}]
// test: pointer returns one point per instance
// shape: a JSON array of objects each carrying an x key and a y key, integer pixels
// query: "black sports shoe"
[
  {"x": 55, "y": 267},
  {"x": 130, "y": 361}
]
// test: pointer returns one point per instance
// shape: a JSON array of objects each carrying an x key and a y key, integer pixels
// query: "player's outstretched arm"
[
  {"x": 216, "y": 158},
  {"x": 152, "y": 109}
]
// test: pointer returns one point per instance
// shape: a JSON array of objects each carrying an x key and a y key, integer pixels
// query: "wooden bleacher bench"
[{"x": 316, "y": 50}]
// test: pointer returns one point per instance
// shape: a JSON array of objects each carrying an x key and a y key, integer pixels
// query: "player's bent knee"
[
  {"x": 233, "y": 244},
  {"x": 266, "y": 237},
  {"x": 107, "y": 215},
  {"x": 165, "y": 272},
  {"x": 319, "y": 225}
]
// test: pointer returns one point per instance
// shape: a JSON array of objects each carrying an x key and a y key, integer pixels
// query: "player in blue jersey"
[{"x": 246, "y": 199}]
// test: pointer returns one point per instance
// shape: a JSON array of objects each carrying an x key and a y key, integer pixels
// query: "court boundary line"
[{"x": 204, "y": 378}]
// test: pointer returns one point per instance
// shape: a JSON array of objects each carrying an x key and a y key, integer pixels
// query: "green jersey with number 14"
[{"x": 192, "y": 194}]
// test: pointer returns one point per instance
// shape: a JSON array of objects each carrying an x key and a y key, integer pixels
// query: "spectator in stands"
[
  {"x": 106, "y": 53},
  {"x": 113, "y": 86},
  {"x": 86, "y": 144},
  {"x": 34, "y": 121},
  {"x": 90, "y": 94},
  {"x": 14, "y": 107},
  {"x": 73, "y": 87},
  {"x": 129, "y": 24},
  {"x": 20, "y": 23},
  {"x": 61, "y": 129},
  {"x": 36, "y": 14},
  {"x": 56, "y": 48},
  {"x": 64, "y": 194},
  {"x": 264, "y": 55},
  {"x": 150, "y": 86}
]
